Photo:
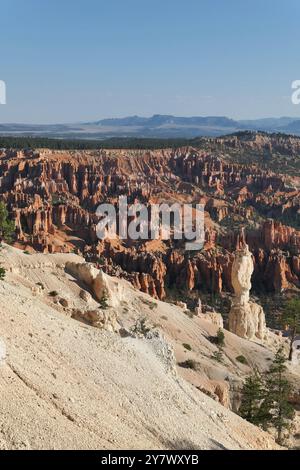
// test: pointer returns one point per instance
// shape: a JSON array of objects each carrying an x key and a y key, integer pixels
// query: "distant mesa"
[{"x": 156, "y": 126}]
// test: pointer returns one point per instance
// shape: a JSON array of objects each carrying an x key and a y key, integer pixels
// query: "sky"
[{"x": 82, "y": 60}]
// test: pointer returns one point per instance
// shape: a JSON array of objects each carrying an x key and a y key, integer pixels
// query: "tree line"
[
  {"x": 18, "y": 143},
  {"x": 265, "y": 399}
]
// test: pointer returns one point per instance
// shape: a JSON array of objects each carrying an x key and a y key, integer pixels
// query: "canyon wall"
[{"x": 52, "y": 197}]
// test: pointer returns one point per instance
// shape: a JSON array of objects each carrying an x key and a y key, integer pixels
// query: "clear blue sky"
[{"x": 76, "y": 60}]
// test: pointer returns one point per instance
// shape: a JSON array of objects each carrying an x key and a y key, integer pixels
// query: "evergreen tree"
[
  {"x": 6, "y": 226},
  {"x": 2, "y": 273},
  {"x": 252, "y": 395},
  {"x": 220, "y": 338},
  {"x": 291, "y": 318},
  {"x": 276, "y": 409}
]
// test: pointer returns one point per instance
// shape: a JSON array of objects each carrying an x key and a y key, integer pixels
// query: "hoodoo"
[{"x": 246, "y": 318}]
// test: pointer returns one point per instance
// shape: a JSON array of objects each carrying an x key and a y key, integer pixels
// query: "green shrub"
[
  {"x": 2, "y": 274},
  {"x": 241, "y": 359},
  {"x": 187, "y": 346},
  {"x": 188, "y": 364},
  {"x": 217, "y": 356},
  {"x": 219, "y": 339},
  {"x": 141, "y": 327},
  {"x": 104, "y": 302},
  {"x": 152, "y": 305},
  {"x": 53, "y": 293}
]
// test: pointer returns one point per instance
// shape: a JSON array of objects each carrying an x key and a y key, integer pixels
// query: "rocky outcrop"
[
  {"x": 163, "y": 350},
  {"x": 102, "y": 319},
  {"x": 213, "y": 317},
  {"x": 222, "y": 392},
  {"x": 105, "y": 290},
  {"x": 246, "y": 318},
  {"x": 52, "y": 197},
  {"x": 217, "y": 390}
]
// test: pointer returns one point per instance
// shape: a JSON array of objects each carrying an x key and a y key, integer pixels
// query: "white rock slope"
[{"x": 67, "y": 385}]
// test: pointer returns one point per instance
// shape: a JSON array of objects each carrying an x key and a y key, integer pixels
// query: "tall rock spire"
[{"x": 246, "y": 318}]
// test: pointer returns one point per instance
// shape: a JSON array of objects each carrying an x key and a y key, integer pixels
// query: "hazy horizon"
[
  {"x": 66, "y": 62},
  {"x": 146, "y": 117}
]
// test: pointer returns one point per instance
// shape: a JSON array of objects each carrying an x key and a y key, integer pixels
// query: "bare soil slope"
[{"x": 67, "y": 385}]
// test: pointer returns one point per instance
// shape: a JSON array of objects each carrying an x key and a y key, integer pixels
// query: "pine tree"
[
  {"x": 6, "y": 226},
  {"x": 252, "y": 395},
  {"x": 220, "y": 339},
  {"x": 2, "y": 273},
  {"x": 291, "y": 318},
  {"x": 277, "y": 410},
  {"x": 6, "y": 229}
]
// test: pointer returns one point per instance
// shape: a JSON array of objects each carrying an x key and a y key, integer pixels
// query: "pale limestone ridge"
[{"x": 67, "y": 385}]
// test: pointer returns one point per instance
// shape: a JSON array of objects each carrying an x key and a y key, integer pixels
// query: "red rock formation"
[{"x": 53, "y": 196}]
